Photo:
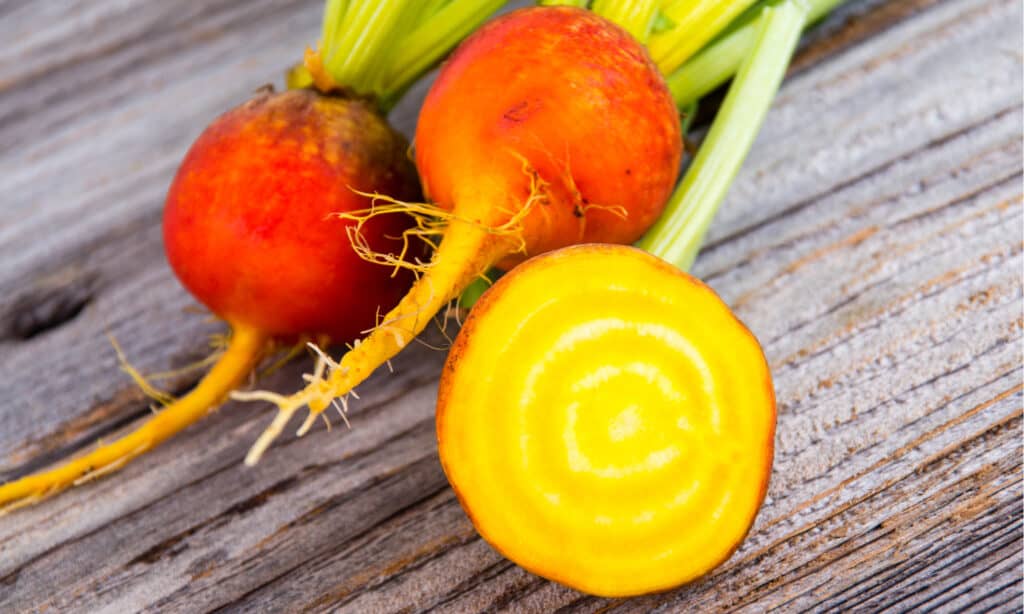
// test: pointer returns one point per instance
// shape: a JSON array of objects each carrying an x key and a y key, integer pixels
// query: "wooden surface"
[{"x": 872, "y": 242}]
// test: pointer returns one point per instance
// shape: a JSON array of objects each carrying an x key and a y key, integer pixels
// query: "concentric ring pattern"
[{"x": 607, "y": 422}]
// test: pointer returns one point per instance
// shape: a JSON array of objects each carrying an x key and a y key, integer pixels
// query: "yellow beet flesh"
[{"x": 606, "y": 421}]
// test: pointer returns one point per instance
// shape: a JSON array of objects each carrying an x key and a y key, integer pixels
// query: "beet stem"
[
  {"x": 677, "y": 235},
  {"x": 719, "y": 61}
]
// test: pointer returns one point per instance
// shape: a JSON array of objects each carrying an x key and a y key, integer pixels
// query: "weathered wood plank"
[{"x": 872, "y": 242}]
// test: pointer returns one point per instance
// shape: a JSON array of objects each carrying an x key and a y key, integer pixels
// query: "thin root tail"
[
  {"x": 243, "y": 353},
  {"x": 467, "y": 250}
]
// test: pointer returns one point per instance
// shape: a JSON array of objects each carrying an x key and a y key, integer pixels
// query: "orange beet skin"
[
  {"x": 248, "y": 226},
  {"x": 562, "y": 96}
]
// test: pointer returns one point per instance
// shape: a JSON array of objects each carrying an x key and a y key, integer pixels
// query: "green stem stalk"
[
  {"x": 366, "y": 30},
  {"x": 635, "y": 16},
  {"x": 334, "y": 11},
  {"x": 476, "y": 289},
  {"x": 688, "y": 113},
  {"x": 677, "y": 235},
  {"x": 719, "y": 61},
  {"x": 432, "y": 39},
  {"x": 380, "y": 48},
  {"x": 696, "y": 22}
]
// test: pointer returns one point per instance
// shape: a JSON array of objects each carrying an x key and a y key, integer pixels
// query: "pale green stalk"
[
  {"x": 677, "y": 235},
  {"x": 635, "y": 16},
  {"x": 365, "y": 32},
  {"x": 719, "y": 61},
  {"x": 334, "y": 11},
  {"x": 432, "y": 39},
  {"x": 688, "y": 113},
  {"x": 411, "y": 16},
  {"x": 476, "y": 289},
  {"x": 379, "y": 48},
  {"x": 696, "y": 22}
]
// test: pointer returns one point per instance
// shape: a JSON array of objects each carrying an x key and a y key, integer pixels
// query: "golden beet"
[
  {"x": 249, "y": 230},
  {"x": 606, "y": 421}
]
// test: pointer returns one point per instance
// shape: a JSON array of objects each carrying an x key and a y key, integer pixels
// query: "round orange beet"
[
  {"x": 560, "y": 104},
  {"x": 248, "y": 224},
  {"x": 249, "y": 230}
]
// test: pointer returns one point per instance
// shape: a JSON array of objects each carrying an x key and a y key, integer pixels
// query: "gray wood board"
[{"x": 872, "y": 242}]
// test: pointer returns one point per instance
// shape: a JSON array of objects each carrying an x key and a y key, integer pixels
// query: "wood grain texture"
[{"x": 872, "y": 242}]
